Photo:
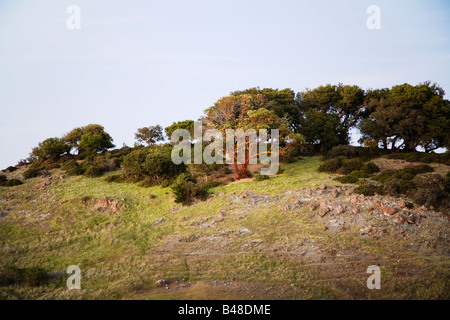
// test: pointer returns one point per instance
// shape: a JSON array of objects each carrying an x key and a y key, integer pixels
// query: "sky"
[{"x": 140, "y": 63}]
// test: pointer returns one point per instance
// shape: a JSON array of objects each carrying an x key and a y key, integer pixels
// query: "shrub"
[
  {"x": 359, "y": 174},
  {"x": 353, "y": 164},
  {"x": 396, "y": 187},
  {"x": 32, "y": 172},
  {"x": 385, "y": 175},
  {"x": 261, "y": 177},
  {"x": 370, "y": 168},
  {"x": 154, "y": 162},
  {"x": 342, "y": 150},
  {"x": 185, "y": 189},
  {"x": 10, "y": 169},
  {"x": 72, "y": 168},
  {"x": 2, "y": 178},
  {"x": 431, "y": 189},
  {"x": 331, "y": 165},
  {"x": 347, "y": 179},
  {"x": 342, "y": 171},
  {"x": 368, "y": 189},
  {"x": 34, "y": 276},
  {"x": 11, "y": 183},
  {"x": 92, "y": 169}
]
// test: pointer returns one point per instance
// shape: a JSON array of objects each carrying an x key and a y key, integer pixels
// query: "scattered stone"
[
  {"x": 389, "y": 210},
  {"x": 335, "y": 193},
  {"x": 323, "y": 212},
  {"x": 162, "y": 282},
  {"x": 378, "y": 203},
  {"x": 355, "y": 211},
  {"x": 159, "y": 222},
  {"x": 242, "y": 232},
  {"x": 323, "y": 187},
  {"x": 312, "y": 207},
  {"x": 240, "y": 217}
]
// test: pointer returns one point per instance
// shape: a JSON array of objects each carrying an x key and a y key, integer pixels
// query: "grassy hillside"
[{"x": 299, "y": 235}]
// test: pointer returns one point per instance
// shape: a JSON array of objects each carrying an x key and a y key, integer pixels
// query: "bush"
[
  {"x": 359, "y": 174},
  {"x": 34, "y": 276},
  {"x": 154, "y": 162},
  {"x": 10, "y": 169},
  {"x": 185, "y": 189},
  {"x": 370, "y": 168},
  {"x": 3, "y": 178},
  {"x": 385, "y": 175},
  {"x": 92, "y": 169},
  {"x": 347, "y": 179},
  {"x": 72, "y": 168},
  {"x": 11, "y": 183},
  {"x": 431, "y": 190},
  {"x": 353, "y": 164},
  {"x": 342, "y": 150},
  {"x": 261, "y": 177},
  {"x": 368, "y": 189},
  {"x": 32, "y": 172},
  {"x": 397, "y": 187},
  {"x": 331, "y": 165}
]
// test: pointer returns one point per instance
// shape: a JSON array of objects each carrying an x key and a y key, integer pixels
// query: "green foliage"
[
  {"x": 331, "y": 165},
  {"x": 347, "y": 179},
  {"x": 359, "y": 174},
  {"x": 89, "y": 140},
  {"x": 10, "y": 169},
  {"x": 261, "y": 177},
  {"x": 370, "y": 168},
  {"x": 50, "y": 149},
  {"x": 432, "y": 190},
  {"x": 150, "y": 135},
  {"x": 409, "y": 115},
  {"x": 11, "y": 183},
  {"x": 32, "y": 172},
  {"x": 422, "y": 157},
  {"x": 72, "y": 168},
  {"x": 3, "y": 178},
  {"x": 369, "y": 189},
  {"x": 32, "y": 277},
  {"x": 152, "y": 162},
  {"x": 186, "y": 124},
  {"x": 186, "y": 189},
  {"x": 91, "y": 169}
]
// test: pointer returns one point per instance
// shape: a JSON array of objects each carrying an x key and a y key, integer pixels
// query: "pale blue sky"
[{"x": 141, "y": 63}]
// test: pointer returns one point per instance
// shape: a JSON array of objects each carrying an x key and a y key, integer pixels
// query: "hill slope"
[{"x": 299, "y": 235}]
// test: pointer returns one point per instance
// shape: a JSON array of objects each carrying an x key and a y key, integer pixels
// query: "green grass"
[{"x": 123, "y": 253}]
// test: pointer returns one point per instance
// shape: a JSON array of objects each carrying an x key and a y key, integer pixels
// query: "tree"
[
  {"x": 96, "y": 139},
  {"x": 150, "y": 135},
  {"x": 406, "y": 117},
  {"x": 244, "y": 111},
  {"x": 186, "y": 124},
  {"x": 51, "y": 148},
  {"x": 345, "y": 101}
]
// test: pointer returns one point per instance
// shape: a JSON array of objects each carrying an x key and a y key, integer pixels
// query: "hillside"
[{"x": 298, "y": 235}]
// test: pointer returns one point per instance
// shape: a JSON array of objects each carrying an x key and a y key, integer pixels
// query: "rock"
[
  {"x": 240, "y": 217},
  {"x": 323, "y": 187},
  {"x": 220, "y": 217},
  {"x": 389, "y": 210},
  {"x": 256, "y": 241},
  {"x": 335, "y": 193},
  {"x": 354, "y": 200},
  {"x": 378, "y": 203},
  {"x": 323, "y": 204},
  {"x": 235, "y": 199},
  {"x": 242, "y": 232},
  {"x": 323, "y": 212},
  {"x": 402, "y": 204},
  {"x": 159, "y": 221},
  {"x": 162, "y": 282},
  {"x": 355, "y": 211},
  {"x": 312, "y": 207}
]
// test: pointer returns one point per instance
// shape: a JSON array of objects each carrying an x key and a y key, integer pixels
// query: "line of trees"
[{"x": 403, "y": 117}]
